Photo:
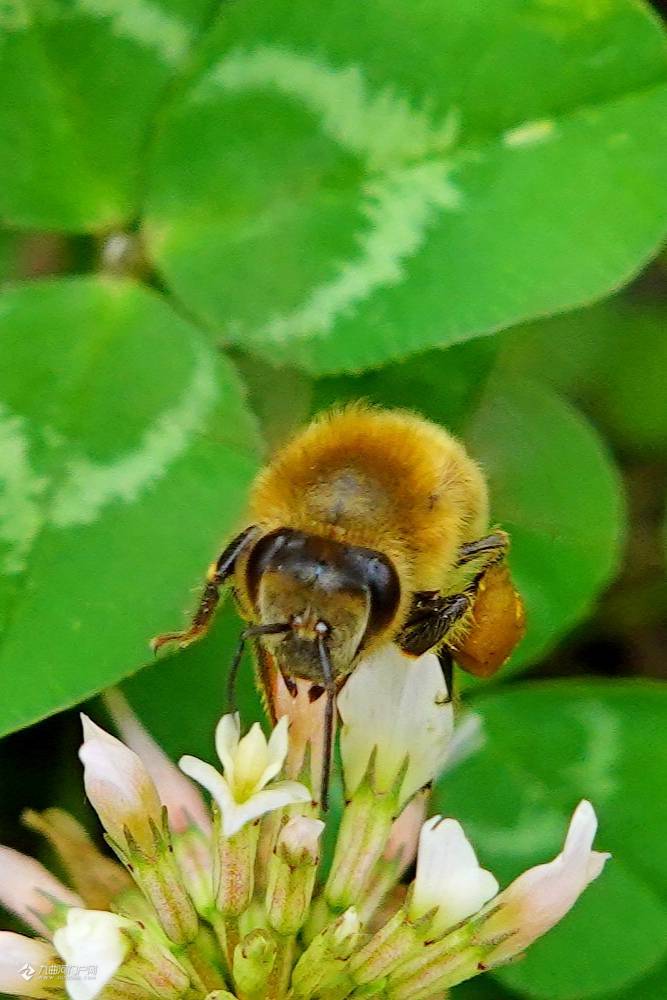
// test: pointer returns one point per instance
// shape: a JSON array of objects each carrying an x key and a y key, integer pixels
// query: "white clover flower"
[
  {"x": 21, "y": 962},
  {"x": 449, "y": 877},
  {"x": 92, "y": 938},
  {"x": 29, "y": 890},
  {"x": 247, "y": 790},
  {"x": 185, "y": 805},
  {"x": 396, "y": 705},
  {"x": 118, "y": 786},
  {"x": 539, "y": 898}
]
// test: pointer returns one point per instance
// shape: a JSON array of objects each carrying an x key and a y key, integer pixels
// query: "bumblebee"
[{"x": 370, "y": 526}]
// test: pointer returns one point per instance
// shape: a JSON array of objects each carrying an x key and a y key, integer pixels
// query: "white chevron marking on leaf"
[
  {"x": 403, "y": 149},
  {"x": 20, "y": 491},
  {"x": 145, "y": 23},
  {"x": 89, "y": 486}
]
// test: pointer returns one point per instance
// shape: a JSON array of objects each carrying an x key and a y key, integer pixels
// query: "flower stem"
[{"x": 279, "y": 979}]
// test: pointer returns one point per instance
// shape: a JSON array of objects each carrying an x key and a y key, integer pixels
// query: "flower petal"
[
  {"x": 17, "y": 952},
  {"x": 539, "y": 898},
  {"x": 277, "y": 751},
  {"x": 449, "y": 876},
  {"x": 399, "y": 705},
  {"x": 250, "y": 762},
  {"x": 227, "y": 736},
  {"x": 92, "y": 938},
  {"x": 209, "y": 778},
  {"x": 28, "y": 889},
  {"x": 282, "y": 793}
]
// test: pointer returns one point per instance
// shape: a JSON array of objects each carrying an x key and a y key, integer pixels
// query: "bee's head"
[{"x": 320, "y": 591}]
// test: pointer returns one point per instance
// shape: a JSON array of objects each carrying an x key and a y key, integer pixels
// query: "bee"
[{"x": 369, "y": 526}]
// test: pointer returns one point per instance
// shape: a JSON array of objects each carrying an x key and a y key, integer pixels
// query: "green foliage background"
[{"x": 218, "y": 219}]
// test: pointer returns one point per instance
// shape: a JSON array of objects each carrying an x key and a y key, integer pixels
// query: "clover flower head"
[
  {"x": 247, "y": 789},
  {"x": 238, "y": 908}
]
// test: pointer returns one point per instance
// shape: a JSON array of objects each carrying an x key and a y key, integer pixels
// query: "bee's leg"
[
  {"x": 489, "y": 550},
  {"x": 432, "y": 617},
  {"x": 219, "y": 572}
]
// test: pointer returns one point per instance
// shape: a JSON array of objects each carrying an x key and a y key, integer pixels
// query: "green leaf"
[
  {"x": 444, "y": 386},
  {"x": 81, "y": 83},
  {"x": 614, "y": 355},
  {"x": 126, "y": 452},
  {"x": 481, "y": 988},
  {"x": 650, "y": 988},
  {"x": 8, "y": 250},
  {"x": 280, "y": 398},
  {"x": 329, "y": 196},
  {"x": 556, "y": 491},
  {"x": 195, "y": 680},
  {"x": 630, "y": 399},
  {"x": 548, "y": 745}
]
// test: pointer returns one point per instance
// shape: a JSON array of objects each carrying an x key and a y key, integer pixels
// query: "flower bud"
[
  {"x": 30, "y": 891},
  {"x": 234, "y": 870},
  {"x": 343, "y": 935},
  {"x": 299, "y": 841},
  {"x": 291, "y": 875},
  {"x": 362, "y": 838},
  {"x": 254, "y": 958},
  {"x": 23, "y": 962},
  {"x": 390, "y": 946},
  {"x": 398, "y": 855},
  {"x": 119, "y": 788},
  {"x": 194, "y": 857},
  {"x": 95, "y": 939}
]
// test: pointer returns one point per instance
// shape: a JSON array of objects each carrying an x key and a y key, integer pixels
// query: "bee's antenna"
[
  {"x": 233, "y": 674},
  {"x": 329, "y": 687}
]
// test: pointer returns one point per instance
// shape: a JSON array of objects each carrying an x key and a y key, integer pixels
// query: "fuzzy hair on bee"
[
  {"x": 369, "y": 526},
  {"x": 387, "y": 481}
]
